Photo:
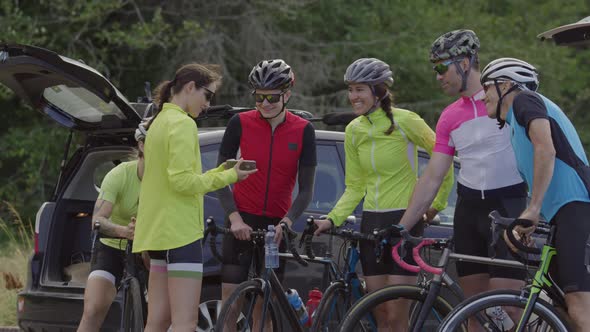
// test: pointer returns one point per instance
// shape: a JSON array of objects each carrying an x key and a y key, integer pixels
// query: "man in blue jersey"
[{"x": 551, "y": 159}]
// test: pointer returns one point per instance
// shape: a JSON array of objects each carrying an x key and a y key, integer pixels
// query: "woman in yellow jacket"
[
  {"x": 170, "y": 213},
  {"x": 381, "y": 167}
]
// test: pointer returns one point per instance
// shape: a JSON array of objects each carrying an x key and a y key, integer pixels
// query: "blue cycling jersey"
[{"x": 571, "y": 174}]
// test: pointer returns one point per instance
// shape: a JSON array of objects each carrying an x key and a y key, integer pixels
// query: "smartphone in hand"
[{"x": 247, "y": 165}]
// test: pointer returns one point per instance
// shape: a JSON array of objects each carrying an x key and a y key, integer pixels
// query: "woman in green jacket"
[
  {"x": 170, "y": 213},
  {"x": 381, "y": 167}
]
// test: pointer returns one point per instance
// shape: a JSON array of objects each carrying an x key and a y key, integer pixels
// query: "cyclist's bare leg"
[
  {"x": 473, "y": 285},
  {"x": 505, "y": 283},
  {"x": 226, "y": 290},
  {"x": 98, "y": 296},
  {"x": 158, "y": 319},
  {"x": 578, "y": 304},
  {"x": 185, "y": 294},
  {"x": 393, "y": 315}
]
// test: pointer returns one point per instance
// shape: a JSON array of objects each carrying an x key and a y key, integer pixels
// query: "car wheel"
[{"x": 208, "y": 312}]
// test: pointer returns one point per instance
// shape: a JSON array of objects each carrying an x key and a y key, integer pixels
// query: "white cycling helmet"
[
  {"x": 510, "y": 69},
  {"x": 141, "y": 131}
]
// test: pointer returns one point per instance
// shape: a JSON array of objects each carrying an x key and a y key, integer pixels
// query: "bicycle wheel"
[
  {"x": 543, "y": 318},
  {"x": 238, "y": 311},
  {"x": 332, "y": 308},
  {"x": 133, "y": 318},
  {"x": 417, "y": 296}
]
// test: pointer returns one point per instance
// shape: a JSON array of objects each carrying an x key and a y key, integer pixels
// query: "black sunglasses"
[
  {"x": 488, "y": 84},
  {"x": 443, "y": 67},
  {"x": 208, "y": 93},
  {"x": 271, "y": 97}
]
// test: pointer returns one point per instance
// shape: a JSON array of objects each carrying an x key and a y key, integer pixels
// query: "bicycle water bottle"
[
  {"x": 297, "y": 304},
  {"x": 500, "y": 318},
  {"x": 271, "y": 250},
  {"x": 315, "y": 296}
]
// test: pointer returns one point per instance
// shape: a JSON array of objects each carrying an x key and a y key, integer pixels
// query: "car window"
[
  {"x": 446, "y": 215},
  {"x": 81, "y": 103},
  {"x": 104, "y": 168},
  {"x": 209, "y": 155},
  {"x": 329, "y": 179}
]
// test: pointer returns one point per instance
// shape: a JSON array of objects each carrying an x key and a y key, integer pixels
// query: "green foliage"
[{"x": 135, "y": 41}]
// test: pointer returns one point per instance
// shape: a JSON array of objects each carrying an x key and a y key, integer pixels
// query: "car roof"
[
  {"x": 212, "y": 135},
  {"x": 572, "y": 34}
]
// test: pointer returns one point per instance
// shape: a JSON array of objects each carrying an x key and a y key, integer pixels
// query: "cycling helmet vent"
[
  {"x": 454, "y": 43},
  {"x": 369, "y": 71},
  {"x": 511, "y": 69},
  {"x": 271, "y": 75}
]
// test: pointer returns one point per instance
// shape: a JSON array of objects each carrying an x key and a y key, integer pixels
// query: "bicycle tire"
[
  {"x": 553, "y": 320},
  {"x": 133, "y": 317},
  {"x": 331, "y": 308},
  {"x": 366, "y": 304},
  {"x": 247, "y": 289}
]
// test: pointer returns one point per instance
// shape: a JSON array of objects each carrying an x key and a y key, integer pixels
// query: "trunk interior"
[{"x": 67, "y": 261}]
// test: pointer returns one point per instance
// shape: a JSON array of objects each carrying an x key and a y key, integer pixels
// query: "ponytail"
[
  {"x": 383, "y": 93},
  {"x": 201, "y": 74},
  {"x": 163, "y": 92}
]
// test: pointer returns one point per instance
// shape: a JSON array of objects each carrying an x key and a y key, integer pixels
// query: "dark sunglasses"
[
  {"x": 208, "y": 93},
  {"x": 488, "y": 84},
  {"x": 443, "y": 67},
  {"x": 271, "y": 98}
]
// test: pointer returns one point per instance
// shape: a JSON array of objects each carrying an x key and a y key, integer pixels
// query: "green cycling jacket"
[
  {"x": 170, "y": 212},
  {"x": 384, "y": 168}
]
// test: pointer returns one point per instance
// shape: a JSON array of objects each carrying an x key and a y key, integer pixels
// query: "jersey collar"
[
  {"x": 174, "y": 107},
  {"x": 376, "y": 115},
  {"x": 479, "y": 95}
]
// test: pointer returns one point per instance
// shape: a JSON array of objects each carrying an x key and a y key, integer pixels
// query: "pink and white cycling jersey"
[{"x": 487, "y": 158}]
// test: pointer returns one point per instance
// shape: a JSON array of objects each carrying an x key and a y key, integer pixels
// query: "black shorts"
[
  {"x": 387, "y": 266},
  {"x": 472, "y": 234},
  {"x": 571, "y": 266},
  {"x": 237, "y": 255},
  {"x": 181, "y": 262},
  {"x": 107, "y": 262}
]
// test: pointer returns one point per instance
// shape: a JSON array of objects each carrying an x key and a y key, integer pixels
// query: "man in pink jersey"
[{"x": 488, "y": 179}]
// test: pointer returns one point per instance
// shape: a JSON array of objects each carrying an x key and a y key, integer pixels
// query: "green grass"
[{"x": 14, "y": 256}]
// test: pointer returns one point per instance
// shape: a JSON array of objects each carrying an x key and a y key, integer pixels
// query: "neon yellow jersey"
[
  {"x": 120, "y": 187},
  {"x": 384, "y": 168},
  {"x": 170, "y": 213}
]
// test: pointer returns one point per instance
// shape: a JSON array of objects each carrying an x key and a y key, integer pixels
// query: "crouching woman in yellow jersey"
[
  {"x": 170, "y": 213},
  {"x": 381, "y": 166},
  {"x": 114, "y": 209}
]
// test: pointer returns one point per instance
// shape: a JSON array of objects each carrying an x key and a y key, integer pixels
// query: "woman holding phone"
[{"x": 170, "y": 213}]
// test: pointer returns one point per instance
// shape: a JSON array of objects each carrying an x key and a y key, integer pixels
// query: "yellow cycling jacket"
[
  {"x": 170, "y": 212},
  {"x": 384, "y": 168}
]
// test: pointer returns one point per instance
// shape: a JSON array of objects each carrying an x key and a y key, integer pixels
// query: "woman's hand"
[
  {"x": 130, "y": 229},
  {"x": 323, "y": 225},
  {"x": 242, "y": 174}
]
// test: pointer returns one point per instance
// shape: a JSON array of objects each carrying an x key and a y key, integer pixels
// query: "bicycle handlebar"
[
  {"x": 256, "y": 235},
  {"x": 499, "y": 225},
  {"x": 379, "y": 236},
  {"x": 509, "y": 224}
]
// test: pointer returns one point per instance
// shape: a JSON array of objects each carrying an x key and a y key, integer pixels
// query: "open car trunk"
[{"x": 77, "y": 97}]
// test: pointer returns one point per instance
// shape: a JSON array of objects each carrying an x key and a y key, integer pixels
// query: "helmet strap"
[
  {"x": 377, "y": 103},
  {"x": 464, "y": 74},
  {"x": 502, "y": 123}
]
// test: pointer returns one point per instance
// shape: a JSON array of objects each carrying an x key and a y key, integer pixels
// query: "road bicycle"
[
  {"x": 428, "y": 308},
  {"x": 537, "y": 314}
]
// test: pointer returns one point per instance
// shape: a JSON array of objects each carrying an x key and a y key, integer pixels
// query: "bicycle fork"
[{"x": 538, "y": 282}]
